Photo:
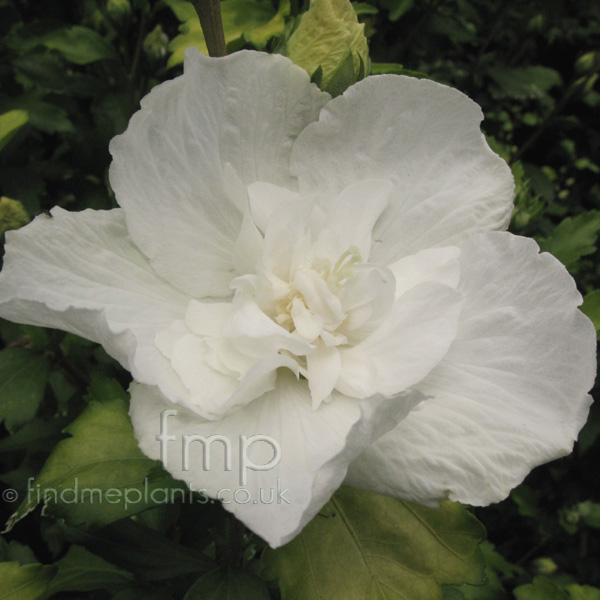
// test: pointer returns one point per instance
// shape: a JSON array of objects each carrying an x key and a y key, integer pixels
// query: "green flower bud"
[
  {"x": 544, "y": 566},
  {"x": 12, "y": 215},
  {"x": 155, "y": 44},
  {"x": 118, "y": 9},
  {"x": 587, "y": 63},
  {"x": 330, "y": 44}
]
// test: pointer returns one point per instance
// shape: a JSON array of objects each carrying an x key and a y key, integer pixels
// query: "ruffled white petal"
[
  {"x": 510, "y": 394},
  {"x": 406, "y": 346},
  {"x": 350, "y": 219},
  {"x": 217, "y": 373},
  {"x": 323, "y": 370},
  {"x": 315, "y": 450},
  {"x": 80, "y": 272},
  {"x": 435, "y": 264},
  {"x": 422, "y": 136},
  {"x": 172, "y": 167}
]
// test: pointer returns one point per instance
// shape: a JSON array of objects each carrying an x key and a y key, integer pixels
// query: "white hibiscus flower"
[{"x": 322, "y": 272}]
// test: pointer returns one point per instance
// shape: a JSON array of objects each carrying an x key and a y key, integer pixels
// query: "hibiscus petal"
[
  {"x": 81, "y": 272},
  {"x": 315, "y": 450},
  {"x": 323, "y": 369},
  {"x": 351, "y": 217},
  {"x": 510, "y": 394},
  {"x": 435, "y": 264},
  {"x": 422, "y": 136},
  {"x": 217, "y": 377},
  {"x": 248, "y": 247},
  {"x": 408, "y": 343},
  {"x": 170, "y": 170},
  {"x": 266, "y": 199}
]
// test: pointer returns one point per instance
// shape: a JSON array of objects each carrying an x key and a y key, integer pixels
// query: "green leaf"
[
  {"x": 80, "y": 45},
  {"x": 145, "y": 552},
  {"x": 452, "y": 593},
  {"x": 589, "y": 513},
  {"x": 397, "y": 8},
  {"x": 525, "y": 82},
  {"x": 395, "y": 69},
  {"x": 582, "y": 592},
  {"x": 99, "y": 475},
  {"x": 10, "y": 123},
  {"x": 573, "y": 238},
  {"x": 364, "y": 8},
  {"x": 366, "y": 546},
  {"x": 242, "y": 19},
  {"x": 326, "y": 34},
  {"x": 342, "y": 78},
  {"x": 591, "y": 430},
  {"x": 260, "y": 36},
  {"x": 591, "y": 308},
  {"x": 12, "y": 215},
  {"x": 228, "y": 584},
  {"x": 23, "y": 377},
  {"x": 541, "y": 589},
  {"x": 82, "y": 571},
  {"x": 496, "y": 566},
  {"x": 36, "y": 436},
  {"x": 317, "y": 76},
  {"x": 13, "y": 550},
  {"x": 103, "y": 387},
  {"x": 48, "y": 71},
  {"x": 42, "y": 115},
  {"x": 24, "y": 583}
]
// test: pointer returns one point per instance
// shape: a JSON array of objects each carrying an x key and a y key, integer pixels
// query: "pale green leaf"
[
  {"x": 363, "y": 546},
  {"x": 24, "y": 583},
  {"x": 99, "y": 475},
  {"x": 242, "y": 20},
  {"x": 573, "y": 238},
  {"x": 10, "y": 123},
  {"x": 23, "y": 377},
  {"x": 260, "y": 36},
  {"x": 228, "y": 584},
  {"x": 327, "y": 32}
]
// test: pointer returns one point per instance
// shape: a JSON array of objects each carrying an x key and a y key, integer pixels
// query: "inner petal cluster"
[
  {"x": 312, "y": 308},
  {"x": 305, "y": 295}
]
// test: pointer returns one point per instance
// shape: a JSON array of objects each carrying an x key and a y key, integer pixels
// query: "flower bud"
[
  {"x": 155, "y": 44},
  {"x": 118, "y": 9},
  {"x": 330, "y": 44},
  {"x": 12, "y": 215},
  {"x": 587, "y": 63}
]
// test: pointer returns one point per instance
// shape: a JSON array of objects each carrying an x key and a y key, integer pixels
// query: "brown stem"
[{"x": 209, "y": 12}]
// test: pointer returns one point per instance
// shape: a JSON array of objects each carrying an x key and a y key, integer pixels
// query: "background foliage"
[{"x": 71, "y": 75}]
